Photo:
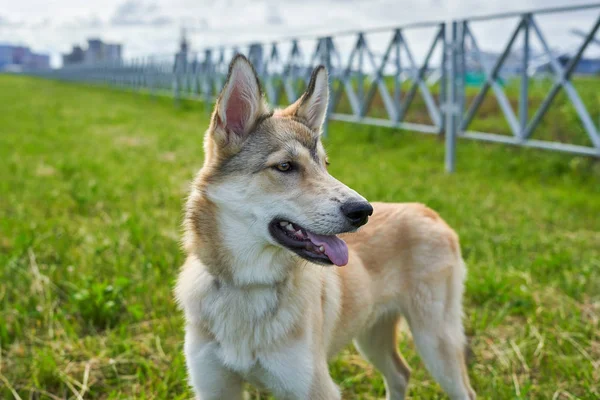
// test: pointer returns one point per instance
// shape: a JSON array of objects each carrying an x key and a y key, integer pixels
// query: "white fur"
[{"x": 249, "y": 340}]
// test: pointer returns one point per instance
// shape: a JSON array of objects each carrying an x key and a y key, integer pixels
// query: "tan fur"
[{"x": 257, "y": 313}]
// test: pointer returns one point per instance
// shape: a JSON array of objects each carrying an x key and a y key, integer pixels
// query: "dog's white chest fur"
[
  {"x": 246, "y": 321},
  {"x": 249, "y": 328}
]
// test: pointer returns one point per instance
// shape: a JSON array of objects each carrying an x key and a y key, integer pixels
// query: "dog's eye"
[{"x": 284, "y": 167}]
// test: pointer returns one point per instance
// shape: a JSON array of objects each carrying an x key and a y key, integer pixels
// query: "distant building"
[
  {"x": 585, "y": 66},
  {"x": 112, "y": 51},
  {"x": 5, "y": 55},
  {"x": 74, "y": 57},
  {"x": 21, "y": 55},
  {"x": 40, "y": 61},
  {"x": 182, "y": 54},
  {"x": 184, "y": 45},
  {"x": 96, "y": 51},
  {"x": 18, "y": 58},
  {"x": 538, "y": 63}
]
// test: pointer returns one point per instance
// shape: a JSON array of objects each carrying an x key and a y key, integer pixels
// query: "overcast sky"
[{"x": 152, "y": 26}]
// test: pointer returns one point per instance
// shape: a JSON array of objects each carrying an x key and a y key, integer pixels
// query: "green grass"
[{"x": 92, "y": 183}]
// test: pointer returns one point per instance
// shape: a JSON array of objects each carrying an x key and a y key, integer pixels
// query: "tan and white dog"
[{"x": 261, "y": 222}]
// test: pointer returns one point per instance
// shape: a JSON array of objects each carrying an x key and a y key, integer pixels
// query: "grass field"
[{"x": 92, "y": 183}]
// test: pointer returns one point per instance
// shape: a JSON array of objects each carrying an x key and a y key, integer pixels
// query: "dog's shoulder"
[{"x": 193, "y": 284}]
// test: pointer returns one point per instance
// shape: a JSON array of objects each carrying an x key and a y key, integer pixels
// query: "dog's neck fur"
[
  {"x": 252, "y": 261},
  {"x": 245, "y": 294},
  {"x": 223, "y": 241},
  {"x": 255, "y": 296}
]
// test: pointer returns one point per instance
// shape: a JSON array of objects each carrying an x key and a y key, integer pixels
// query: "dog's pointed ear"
[
  {"x": 239, "y": 105},
  {"x": 311, "y": 108}
]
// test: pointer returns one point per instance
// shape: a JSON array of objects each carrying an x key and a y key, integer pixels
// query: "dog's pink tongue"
[{"x": 335, "y": 248}]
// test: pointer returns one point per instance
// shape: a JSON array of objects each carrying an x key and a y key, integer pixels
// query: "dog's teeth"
[
  {"x": 321, "y": 249},
  {"x": 299, "y": 233},
  {"x": 283, "y": 223},
  {"x": 290, "y": 228}
]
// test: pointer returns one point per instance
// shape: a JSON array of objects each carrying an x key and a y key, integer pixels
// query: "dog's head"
[{"x": 266, "y": 172}]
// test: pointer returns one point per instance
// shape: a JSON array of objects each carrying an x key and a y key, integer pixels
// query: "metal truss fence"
[{"x": 359, "y": 75}]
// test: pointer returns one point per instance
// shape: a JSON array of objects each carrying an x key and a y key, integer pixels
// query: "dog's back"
[{"x": 414, "y": 266}]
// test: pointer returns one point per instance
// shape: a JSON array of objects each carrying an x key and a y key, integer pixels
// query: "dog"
[{"x": 264, "y": 225}]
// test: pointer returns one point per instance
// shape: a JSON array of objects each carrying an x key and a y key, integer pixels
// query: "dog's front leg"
[
  {"x": 297, "y": 372},
  {"x": 320, "y": 387},
  {"x": 323, "y": 386},
  {"x": 210, "y": 379}
]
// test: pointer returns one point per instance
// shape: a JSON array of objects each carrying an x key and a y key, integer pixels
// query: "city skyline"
[{"x": 17, "y": 58}]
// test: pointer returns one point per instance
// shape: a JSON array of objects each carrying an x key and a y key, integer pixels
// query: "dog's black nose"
[{"x": 357, "y": 212}]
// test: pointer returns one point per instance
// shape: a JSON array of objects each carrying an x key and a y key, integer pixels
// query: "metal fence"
[{"x": 377, "y": 81}]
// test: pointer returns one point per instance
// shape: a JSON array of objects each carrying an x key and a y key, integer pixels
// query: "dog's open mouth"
[{"x": 322, "y": 249}]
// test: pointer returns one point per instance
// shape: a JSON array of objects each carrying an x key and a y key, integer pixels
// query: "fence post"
[
  {"x": 326, "y": 48},
  {"x": 207, "y": 86},
  {"x": 398, "y": 74},
  {"x": 523, "y": 96},
  {"x": 150, "y": 76},
  {"x": 451, "y": 107},
  {"x": 176, "y": 83},
  {"x": 194, "y": 79},
  {"x": 360, "y": 77},
  {"x": 461, "y": 72},
  {"x": 134, "y": 74}
]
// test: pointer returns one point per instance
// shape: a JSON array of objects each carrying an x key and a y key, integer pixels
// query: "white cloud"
[
  {"x": 153, "y": 26},
  {"x": 138, "y": 13},
  {"x": 91, "y": 21},
  {"x": 6, "y": 22}
]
